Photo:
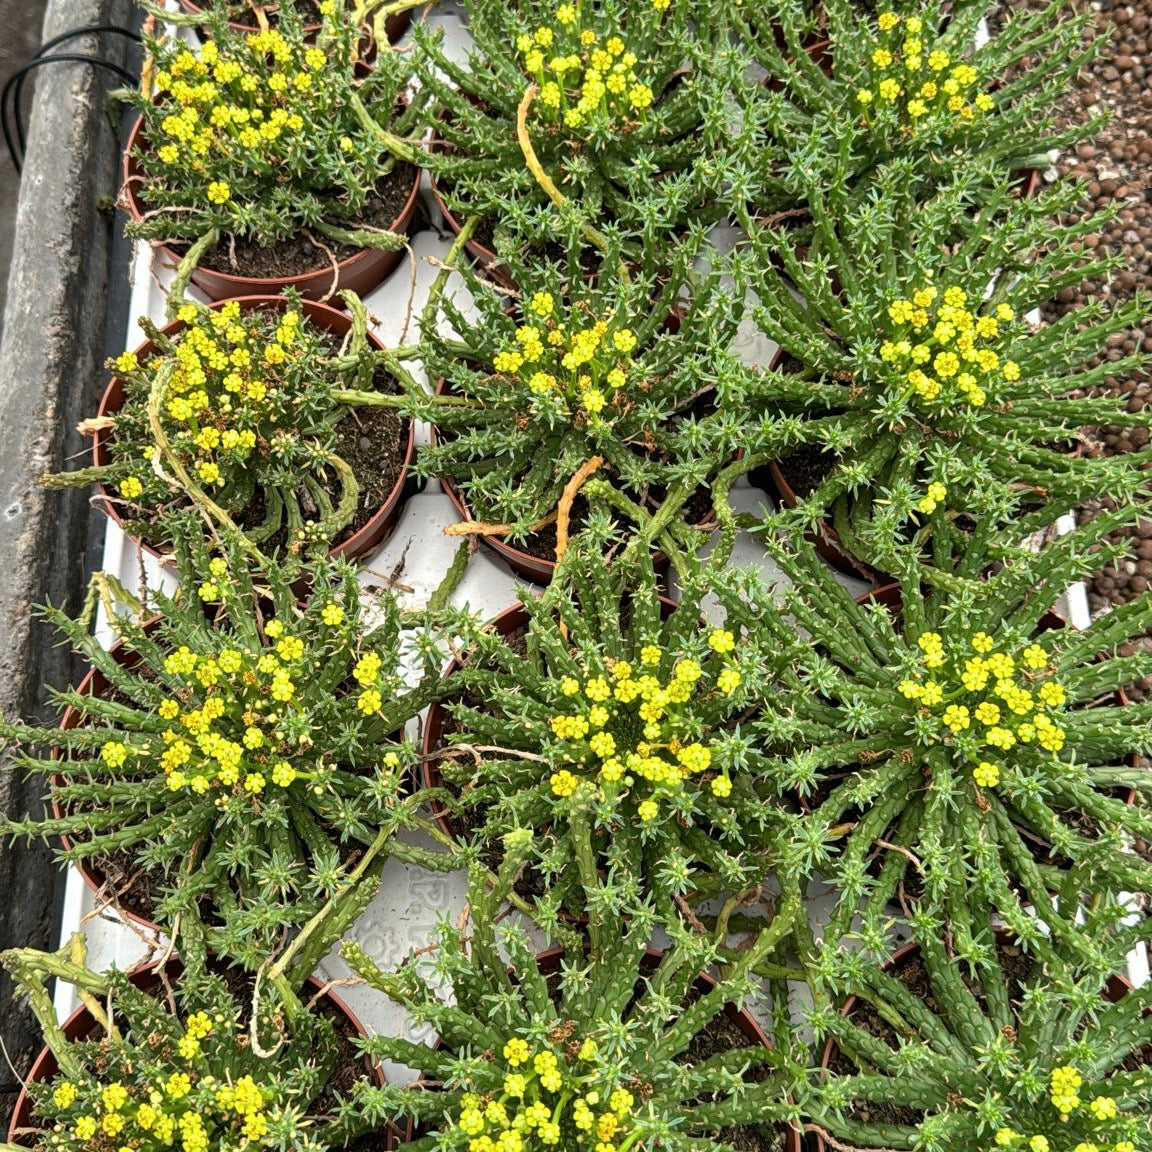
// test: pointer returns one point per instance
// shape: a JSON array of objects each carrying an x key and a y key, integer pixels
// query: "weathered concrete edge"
[{"x": 50, "y": 373}]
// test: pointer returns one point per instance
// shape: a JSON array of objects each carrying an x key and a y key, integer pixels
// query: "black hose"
[{"x": 14, "y": 86}]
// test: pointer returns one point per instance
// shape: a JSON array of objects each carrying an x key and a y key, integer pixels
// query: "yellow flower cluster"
[
  {"x": 588, "y": 368},
  {"x": 584, "y": 77},
  {"x": 922, "y": 83},
  {"x": 544, "y": 1101},
  {"x": 1097, "y": 1116},
  {"x": 225, "y": 394},
  {"x": 232, "y": 724},
  {"x": 164, "y": 1109},
  {"x": 241, "y": 104},
  {"x": 988, "y": 699},
  {"x": 946, "y": 353},
  {"x": 629, "y": 724}
]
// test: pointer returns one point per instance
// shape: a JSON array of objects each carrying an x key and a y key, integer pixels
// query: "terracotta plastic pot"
[
  {"x": 1118, "y": 987},
  {"x": 356, "y": 547},
  {"x": 482, "y": 256},
  {"x": 81, "y": 1025},
  {"x": 823, "y": 537},
  {"x": 359, "y": 273},
  {"x": 396, "y": 24}
]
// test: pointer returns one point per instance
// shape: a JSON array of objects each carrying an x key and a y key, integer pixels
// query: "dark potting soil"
[
  {"x": 542, "y": 544},
  {"x": 806, "y": 469},
  {"x": 373, "y": 442},
  {"x": 721, "y": 1034},
  {"x": 299, "y": 255},
  {"x": 308, "y": 9},
  {"x": 910, "y": 971}
]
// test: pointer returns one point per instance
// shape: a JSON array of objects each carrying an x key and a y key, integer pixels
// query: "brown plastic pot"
[
  {"x": 82, "y": 1025},
  {"x": 824, "y": 538},
  {"x": 1117, "y": 988},
  {"x": 396, "y": 24},
  {"x": 356, "y": 547},
  {"x": 359, "y": 273},
  {"x": 482, "y": 256}
]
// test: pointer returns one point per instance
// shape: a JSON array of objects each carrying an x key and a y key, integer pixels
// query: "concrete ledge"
[{"x": 51, "y": 371}]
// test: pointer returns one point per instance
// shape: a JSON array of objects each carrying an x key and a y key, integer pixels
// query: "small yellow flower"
[
  {"x": 219, "y": 192},
  {"x": 563, "y": 783},
  {"x": 986, "y": 774}
]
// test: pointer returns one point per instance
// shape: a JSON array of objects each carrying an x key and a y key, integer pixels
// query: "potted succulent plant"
[
  {"x": 624, "y": 377},
  {"x": 260, "y": 409},
  {"x": 610, "y": 111},
  {"x": 619, "y": 1048},
  {"x": 924, "y": 82},
  {"x": 1017, "y": 1055},
  {"x": 184, "y": 1055},
  {"x": 220, "y": 165},
  {"x": 922, "y": 369},
  {"x": 234, "y": 757},
  {"x": 958, "y": 753},
  {"x": 615, "y": 724}
]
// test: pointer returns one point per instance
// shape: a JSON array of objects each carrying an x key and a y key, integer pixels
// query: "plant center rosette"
[
  {"x": 236, "y": 722},
  {"x": 635, "y": 731},
  {"x": 170, "y": 1098},
  {"x": 246, "y": 748},
  {"x": 558, "y": 1093},
  {"x": 265, "y": 132},
  {"x": 245, "y": 405},
  {"x": 915, "y": 84},
  {"x": 946, "y": 355},
  {"x": 1000, "y": 712}
]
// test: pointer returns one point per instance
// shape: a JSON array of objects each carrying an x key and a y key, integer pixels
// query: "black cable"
[
  {"x": 15, "y": 84},
  {"x": 87, "y": 30}
]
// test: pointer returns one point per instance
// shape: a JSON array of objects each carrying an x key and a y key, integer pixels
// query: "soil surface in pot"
[
  {"x": 298, "y": 255},
  {"x": 719, "y": 1035},
  {"x": 910, "y": 971},
  {"x": 373, "y": 442}
]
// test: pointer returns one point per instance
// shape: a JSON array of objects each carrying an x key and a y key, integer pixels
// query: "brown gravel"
[{"x": 1117, "y": 167}]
